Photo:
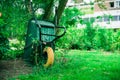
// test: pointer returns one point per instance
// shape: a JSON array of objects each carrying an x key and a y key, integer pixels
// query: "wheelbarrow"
[{"x": 40, "y": 39}]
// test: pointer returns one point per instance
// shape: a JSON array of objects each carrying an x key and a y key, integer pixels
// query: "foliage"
[
  {"x": 70, "y": 39},
  {"x": 90, "y": 38},
  {"x": 4, "y": 43},
  {"x": 13, "y": 20},
  {"x": 89, "y": 33},
  {"x": 14, "y": 49},
  {"x": 116, "y": 41},
  {"x": 70, "y": 17}
]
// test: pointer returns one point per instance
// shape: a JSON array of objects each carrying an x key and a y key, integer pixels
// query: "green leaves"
[
  {"x": 70, "y": 17},
  {"x": 90, "y": 38}
]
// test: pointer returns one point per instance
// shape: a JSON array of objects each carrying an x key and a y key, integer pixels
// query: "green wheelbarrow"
[{"x": 40, "y": 39}]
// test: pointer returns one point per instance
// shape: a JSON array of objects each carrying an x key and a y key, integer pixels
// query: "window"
[
  {"x": 99, "y": 19},
  {"x": 112, "y": 4},
  {"x": 115, "y": 18},
  {"x": 86, "y": 19},
  {"x": 106, "y": 18},
  {"x": 119, "y": 18},
  {"x": 117, "y": 4},
  {"x": 92, "y": 19}
]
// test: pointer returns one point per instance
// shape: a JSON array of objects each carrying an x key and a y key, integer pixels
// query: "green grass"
[{"x": 79, "y": 65}]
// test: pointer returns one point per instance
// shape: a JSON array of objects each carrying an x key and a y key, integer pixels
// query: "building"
[{"x": 106, "y": 17}]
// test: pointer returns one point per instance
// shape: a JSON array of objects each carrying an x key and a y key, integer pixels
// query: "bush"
[
  {"x": 90, "y": 38},
  {"x": 89, "y": 33},
  {"x": 71, "y": 40},
  {"x": 4, "y": 43},
  {"x": 12, "y": 24},
  {"x": 116, "y": 41}
]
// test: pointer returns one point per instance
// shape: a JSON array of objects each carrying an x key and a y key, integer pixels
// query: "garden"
[{"x": 90, "y": 53}]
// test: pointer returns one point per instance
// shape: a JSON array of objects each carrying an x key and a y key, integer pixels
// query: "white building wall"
[
  {"x": 114, "y": 22},
  {"x": 114, "y": 12}
]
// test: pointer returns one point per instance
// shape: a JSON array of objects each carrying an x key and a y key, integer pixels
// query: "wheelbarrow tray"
[{"x": 47, "y": 30}]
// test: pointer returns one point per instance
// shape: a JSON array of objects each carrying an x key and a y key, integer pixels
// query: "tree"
[{"x": 48, "y": 7}]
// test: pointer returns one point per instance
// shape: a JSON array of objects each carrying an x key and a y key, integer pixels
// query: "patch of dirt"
[{"x": 12, "y": 68}]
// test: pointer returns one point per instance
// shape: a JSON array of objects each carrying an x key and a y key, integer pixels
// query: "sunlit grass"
[{"x": 79, "y": 65}]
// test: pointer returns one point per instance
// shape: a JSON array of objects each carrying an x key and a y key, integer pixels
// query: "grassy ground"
[{"x": 79, "y": 65}]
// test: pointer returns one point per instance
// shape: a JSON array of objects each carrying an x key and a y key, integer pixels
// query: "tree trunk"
[
  {"x": 61, "y": 7},
  {"x": 28, "y": 6},
  {"x": 48, "y": 11}
]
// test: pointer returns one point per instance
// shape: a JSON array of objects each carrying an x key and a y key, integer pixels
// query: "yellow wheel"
[{"x": 50, "y": 56}]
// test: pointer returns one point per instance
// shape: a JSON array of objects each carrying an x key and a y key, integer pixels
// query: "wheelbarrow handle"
[{"x": 62, "y": 33}]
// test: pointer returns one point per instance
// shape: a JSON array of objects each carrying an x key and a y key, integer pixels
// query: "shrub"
[
  {"x": 71, "y": 40},
  {"x": 89, "y": 33},
  {"x": 4, "y": 43},
  {"x": 90, "y": 38},
  {"x": 116, "y": 42}
]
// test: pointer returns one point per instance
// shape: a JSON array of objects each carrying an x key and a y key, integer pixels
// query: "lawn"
[{"x": 78, "y": 65}]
